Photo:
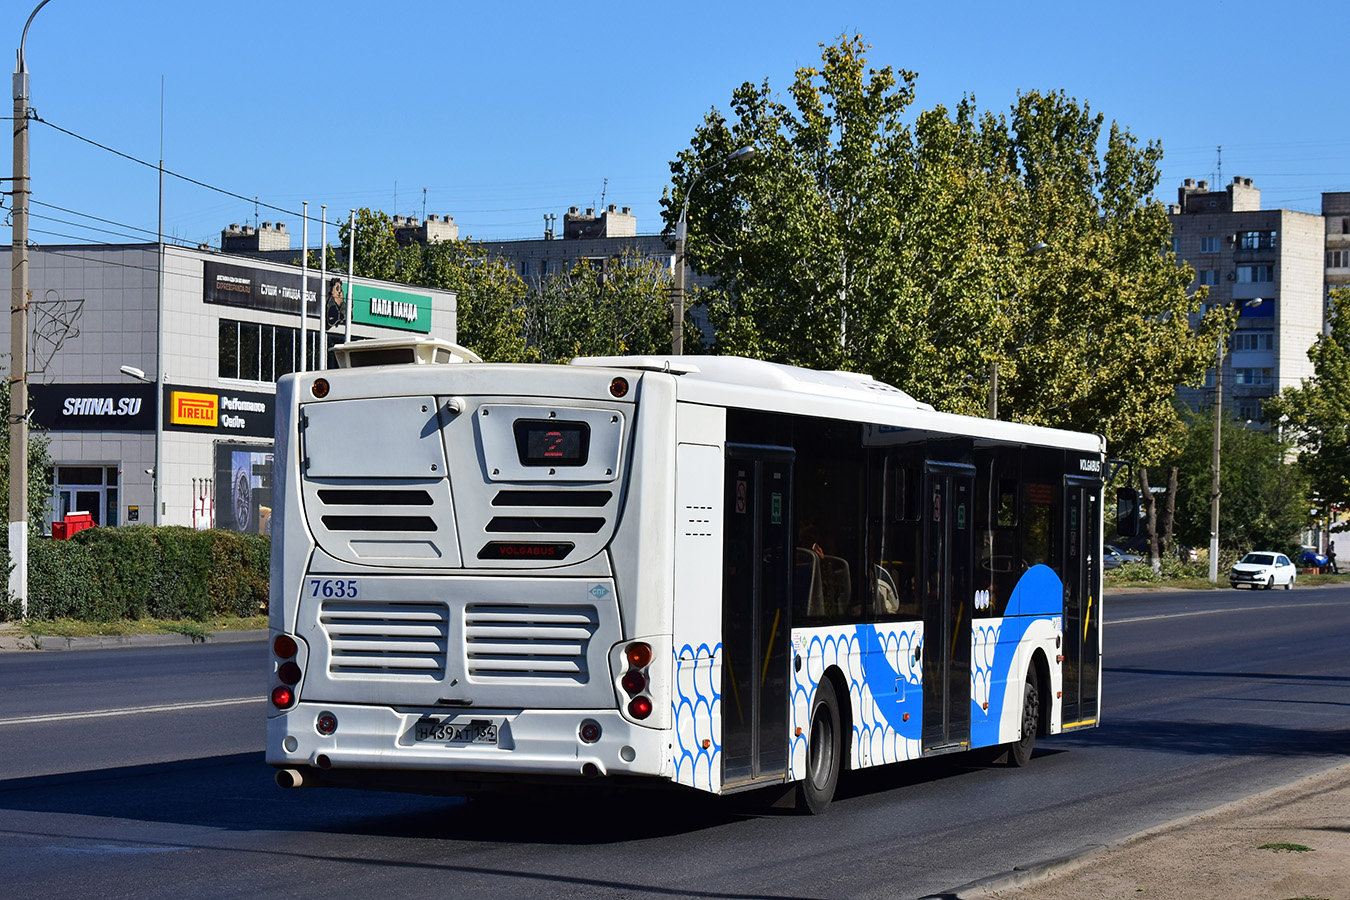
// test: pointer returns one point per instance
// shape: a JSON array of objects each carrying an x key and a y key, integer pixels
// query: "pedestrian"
[{"x": 1331, "y": 558}]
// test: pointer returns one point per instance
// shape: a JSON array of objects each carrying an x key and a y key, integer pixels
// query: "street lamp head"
[
  {"x": 1037, "y": 248},
  {"x": 742, "y": 153},
  {"x": 133, "y": 372}
]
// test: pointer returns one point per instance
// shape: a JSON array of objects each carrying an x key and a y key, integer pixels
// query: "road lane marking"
[
  {"x": 1212, "y": 612},
  {"x": 129, "y": 711}
]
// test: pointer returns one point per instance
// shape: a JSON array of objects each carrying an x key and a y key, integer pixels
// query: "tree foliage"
[
  {"x": 490, "y": 294},
  {"x": 855, "y": 239},
  {"x": 621, "y": 309},
  {"x": 1316, "y": 414},
  {"x": 39, "y": 468},
  {"x": 1263, "y": 500}
]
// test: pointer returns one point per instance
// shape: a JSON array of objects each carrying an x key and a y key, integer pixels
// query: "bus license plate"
[{"x": 477, "y": 731}]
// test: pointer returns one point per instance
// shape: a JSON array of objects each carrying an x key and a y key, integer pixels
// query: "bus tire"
[
  {"x": 823, "y": 750},
  {"x": 1019, "y": 751}
]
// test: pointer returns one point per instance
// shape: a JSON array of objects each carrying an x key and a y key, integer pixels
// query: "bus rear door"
[{"x": 756, "y": 597}]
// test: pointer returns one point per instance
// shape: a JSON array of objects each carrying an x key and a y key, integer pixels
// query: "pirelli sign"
[
  {"x": 186, "y": 408},
  {"x": 246, "y": 413}
]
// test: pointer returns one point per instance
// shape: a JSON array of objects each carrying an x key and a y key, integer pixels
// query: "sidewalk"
[
  {"x": 1218, "y": 854},
  {"x": 13, "y": 639}
]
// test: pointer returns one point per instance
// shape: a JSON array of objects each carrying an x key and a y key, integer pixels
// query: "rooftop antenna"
[
  {"x": 255, "y": 211},
  {"x": 604, "y": 189},
  {"x": 424, "y": 204},
  {"x": 1219, "y": 181}
]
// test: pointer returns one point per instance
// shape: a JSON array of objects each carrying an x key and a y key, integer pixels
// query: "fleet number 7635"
[{"x": 328, "y": 588}]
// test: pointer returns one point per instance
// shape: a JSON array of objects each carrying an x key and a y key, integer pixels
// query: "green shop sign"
[{"x": 391, "y": 309}]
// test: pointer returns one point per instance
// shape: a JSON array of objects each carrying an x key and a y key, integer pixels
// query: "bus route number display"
[{"x": 548, "y": 442}]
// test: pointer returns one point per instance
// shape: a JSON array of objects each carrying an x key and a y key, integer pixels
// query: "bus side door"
[
  {"x": 948, "y": 604},
  {"x": 1082, "y": 600},
  {"x": 756, "y": 606}
]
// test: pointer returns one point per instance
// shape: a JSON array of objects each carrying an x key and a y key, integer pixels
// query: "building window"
[
  {"x": 1209, "y": 378},
  {"x": 1254, "y": 340},
  {"x": 1338, "y": 259},
  {"x": 1207, "y": 276},
  {"x": 1209, "y": 245},
  {"x": 524, "y": 268},
  {"x": 1249, "y": 411},
  {"x": 1255, "y": 274},
  {"x": 87, "y": 489},
  {"x": 1176, "y": 246},
  {"x": 252, "y": 351},
  {"x": 1256, "y": 240},
  {"x": 1252, "y": 377}
]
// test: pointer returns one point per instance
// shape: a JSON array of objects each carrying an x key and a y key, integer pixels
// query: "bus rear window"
[{"x": 549, "y": 442}]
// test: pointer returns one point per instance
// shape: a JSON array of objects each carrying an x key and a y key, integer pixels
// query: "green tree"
[
  {"x": 39, "y": 468},
  {"x": 1264, "y": 500},
  {"x": 490, "y": 294},
  {"x": 854, "y": 240},
  {"x": 622, "y": 310},
  {"x": 1316, "y": 414}
]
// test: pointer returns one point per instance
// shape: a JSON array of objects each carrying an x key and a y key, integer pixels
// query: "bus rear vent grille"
[
  {"x": 524, "y": 642},
  {"x": 385, "y": 638}
]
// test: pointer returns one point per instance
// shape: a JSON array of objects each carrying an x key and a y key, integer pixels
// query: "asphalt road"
[{"x": 1209, "y": 697}]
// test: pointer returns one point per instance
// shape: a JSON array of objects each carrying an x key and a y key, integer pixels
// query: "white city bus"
[{"x": 707, "y": 571}]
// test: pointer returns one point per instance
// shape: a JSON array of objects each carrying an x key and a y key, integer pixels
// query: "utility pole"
[{"x": 18, "y": 339}]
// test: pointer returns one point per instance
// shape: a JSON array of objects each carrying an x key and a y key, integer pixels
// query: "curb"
[
  {"x": 123, "y": 641},
  {"x": 1022, "y": 875}
]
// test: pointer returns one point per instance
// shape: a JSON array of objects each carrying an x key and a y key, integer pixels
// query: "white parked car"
[{"x": 1263, "y": 568}]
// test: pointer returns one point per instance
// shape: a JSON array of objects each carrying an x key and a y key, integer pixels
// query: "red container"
[{"x": 61, "y": 531}]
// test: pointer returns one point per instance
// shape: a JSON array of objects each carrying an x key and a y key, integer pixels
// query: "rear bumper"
[{"x": 531, "y": 742}]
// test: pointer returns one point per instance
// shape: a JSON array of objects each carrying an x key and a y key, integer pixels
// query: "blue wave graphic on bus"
[
  {"x": 902, "y": 707},
  {"x": 696, "y": 701},
  {"x": 1039, "y": 593}
]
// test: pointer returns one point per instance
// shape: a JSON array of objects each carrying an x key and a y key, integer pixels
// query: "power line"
[
  {"x": 156, "y": 167},
  {"x": 76, "y": 212}
]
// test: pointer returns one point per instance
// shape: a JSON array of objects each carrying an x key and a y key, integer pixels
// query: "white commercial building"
[{"x": 230, "y": 328}]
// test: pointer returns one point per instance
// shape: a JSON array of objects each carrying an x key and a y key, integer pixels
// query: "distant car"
[
  {"x": 1311, "y": 557},
  {"x": 1114, "y": 557},
  {"x": 1264, "y": 569}
]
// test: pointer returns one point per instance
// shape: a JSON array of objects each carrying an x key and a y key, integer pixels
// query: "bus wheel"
[
  {"x": 1019, "y": 751},
  {"x": 823, "y": 749}
]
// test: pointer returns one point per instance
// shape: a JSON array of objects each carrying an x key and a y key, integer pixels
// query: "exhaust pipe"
[{"x": 292, "y": 778}]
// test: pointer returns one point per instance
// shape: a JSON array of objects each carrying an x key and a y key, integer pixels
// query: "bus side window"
[{"x": 895, "y": 548}]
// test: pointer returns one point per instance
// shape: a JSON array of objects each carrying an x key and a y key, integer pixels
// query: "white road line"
[
  {"x": 128, "y": 711},
  {"x": 1210, "y": 612}
]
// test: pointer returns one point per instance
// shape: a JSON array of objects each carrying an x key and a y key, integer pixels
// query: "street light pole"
[
  {"x": 1214, "y": 463},
  {"x": 18, "y": 338},
  {"x": 681, "y": 231}
]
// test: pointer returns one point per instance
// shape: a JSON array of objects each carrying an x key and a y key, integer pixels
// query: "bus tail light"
[
  {"x": 590, "y": 731},
  {"x": 283, "y": 697},
  {"x": 326, "y": 723},
  {"x": 639, "y": 654},
  {"x": 284, "y": 646},
  {"x": 634, "y": 682}
]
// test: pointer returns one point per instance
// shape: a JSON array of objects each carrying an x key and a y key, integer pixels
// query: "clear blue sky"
[{"x": 505, "y": 112}]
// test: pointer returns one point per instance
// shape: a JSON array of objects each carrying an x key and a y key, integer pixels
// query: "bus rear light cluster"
[
  {"x": 635, "y": 680},
  {"x": 590, "y": 731},
  {"x": 284, "y": 648},
  {"x": 326, "y": 723}
]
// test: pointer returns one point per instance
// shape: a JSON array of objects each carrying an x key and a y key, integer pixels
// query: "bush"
[{"x": 168, "y": 572}]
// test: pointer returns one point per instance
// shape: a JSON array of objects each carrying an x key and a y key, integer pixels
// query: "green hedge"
[{"x": 167, "y": 572}]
